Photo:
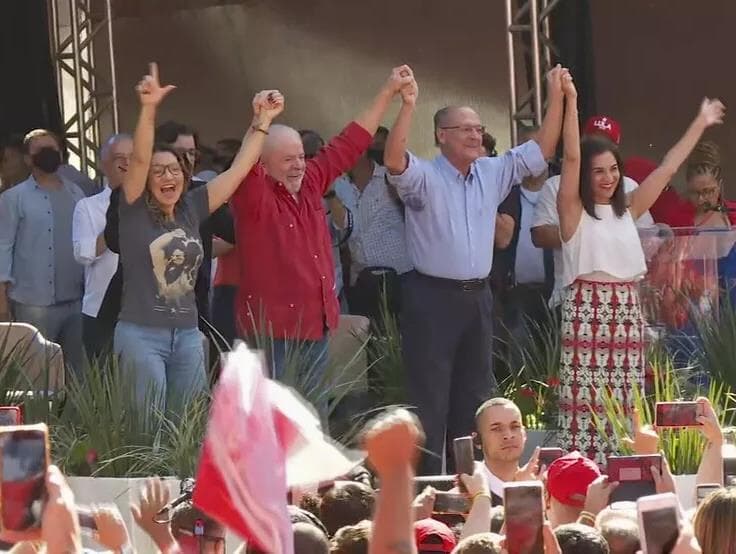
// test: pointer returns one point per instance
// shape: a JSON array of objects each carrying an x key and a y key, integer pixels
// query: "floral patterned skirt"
[{"x": 602, "y": 349}]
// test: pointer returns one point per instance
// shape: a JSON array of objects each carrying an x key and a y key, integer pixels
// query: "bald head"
[
  {"x": 280, "y": 135},
  {"x": 283, "y": 157},
  {"x": 309, "y": 540}
]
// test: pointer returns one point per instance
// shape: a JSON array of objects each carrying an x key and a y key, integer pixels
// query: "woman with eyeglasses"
[{"x": 160, "y": 347}]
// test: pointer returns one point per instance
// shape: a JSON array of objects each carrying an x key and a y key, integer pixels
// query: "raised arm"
[
  {"x": 394, "y": 156},
  {"x": 150, "y": 94},
  {"x": 267, "y": 104},
  {"x": 569, "y": 204},
  {"x": 371, "y": 118},
  {"x": 392, "y": 445},
  {"x": 711, "y": 113},
  {"x": 549, "y": 133}
]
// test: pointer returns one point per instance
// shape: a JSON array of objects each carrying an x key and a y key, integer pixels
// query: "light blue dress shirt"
[
  {"x": 451, "y": 218},
  {"x": 38, "y": 273}
]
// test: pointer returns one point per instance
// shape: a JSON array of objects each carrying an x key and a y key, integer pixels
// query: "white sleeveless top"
[{"x": 606, "y": 249}]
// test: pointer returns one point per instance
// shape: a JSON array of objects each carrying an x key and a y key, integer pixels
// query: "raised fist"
[{"x": 712, "y": 111}]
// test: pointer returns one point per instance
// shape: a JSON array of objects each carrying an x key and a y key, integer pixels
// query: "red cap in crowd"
[
  {"x": 603, "y": 125},
  {"x": 433, "y": 536},
  {"x": 568, "y": 478}
]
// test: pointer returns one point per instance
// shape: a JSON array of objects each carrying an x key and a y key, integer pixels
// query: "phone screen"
[
  {"x": 702, "y": 491},
  {"x": 23, "y": 473},
  {"x": 677, "y": 414},
  {"x": 729, "y": 469},
  {"x": 634, "y": 475},
  {"x": 524, "y": 519},
  {"x": 660, "y": 529},
  {"x": 464, "y": 460},
  {"x": 451, "y": 503},
  {"x": 9, "y": 416},
  {"x": 549, "y": 455}
]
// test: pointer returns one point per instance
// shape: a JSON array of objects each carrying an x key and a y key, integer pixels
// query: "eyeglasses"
[
  {"x": 704, "y": 193},
  {"x": 466, "y": 129},
  {"x": 160, "y": 170}
]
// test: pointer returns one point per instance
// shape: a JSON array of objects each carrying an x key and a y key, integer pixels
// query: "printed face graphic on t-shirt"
[{"x": 175, "y": 257}]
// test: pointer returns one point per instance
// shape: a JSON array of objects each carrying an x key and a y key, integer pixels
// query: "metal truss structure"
[
  {"x": 530, "y": 53},
  {"x": 83, "y": 52}
]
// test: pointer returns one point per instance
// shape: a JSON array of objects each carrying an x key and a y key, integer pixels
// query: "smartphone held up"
[
  {"x": 677, "y": 414},
  {"x": 659, "y": 523},
  {"x": 24, "y": 459},
  {"x": 524, "y": 517}
]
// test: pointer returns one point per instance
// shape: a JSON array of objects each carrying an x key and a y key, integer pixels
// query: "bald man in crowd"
[
  {"x": 451, "y": 205},
  {"x": 286, "y": 297}
]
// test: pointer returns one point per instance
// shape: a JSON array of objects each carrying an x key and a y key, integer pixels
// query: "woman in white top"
[{"x": 602, "y": 326}]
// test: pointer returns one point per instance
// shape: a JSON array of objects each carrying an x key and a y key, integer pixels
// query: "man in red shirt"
[{"x": 286, "y": 296}]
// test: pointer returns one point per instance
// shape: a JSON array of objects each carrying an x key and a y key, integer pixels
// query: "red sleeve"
[
  {"x": 337, "y": 157},
  {"x": 250, "y": 189}
]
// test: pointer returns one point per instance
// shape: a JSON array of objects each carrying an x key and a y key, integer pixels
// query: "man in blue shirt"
[
  {"x": 40, "y": 281},
  {"x": 451, "y": 204}
]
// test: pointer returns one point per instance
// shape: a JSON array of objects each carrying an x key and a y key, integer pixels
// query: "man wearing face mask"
[
  {"x": 378, "y": 254},
  {"x": 40, "y": 281}
]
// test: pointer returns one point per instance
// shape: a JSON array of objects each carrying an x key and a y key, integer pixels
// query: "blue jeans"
[
  {"x": 59, "y": 323},
  {"x": 163, "y": 361}
]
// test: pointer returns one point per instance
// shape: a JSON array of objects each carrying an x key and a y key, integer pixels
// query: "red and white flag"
[{"x": 262, "y": 439}]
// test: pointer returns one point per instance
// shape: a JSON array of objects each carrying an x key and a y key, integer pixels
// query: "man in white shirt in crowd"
[
  {"x": 501, "y": 435},
  {"x": 545, "y": 228},
  {"x": 90, "y": 249}
]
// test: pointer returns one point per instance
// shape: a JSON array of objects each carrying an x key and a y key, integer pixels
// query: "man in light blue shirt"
[
  {"x": 451, "y": 204},
  {"x": 40, "y": 281}
]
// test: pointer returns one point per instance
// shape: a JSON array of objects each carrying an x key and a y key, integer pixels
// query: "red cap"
[
  {"x": 603, "y": 125},
  {"x": 568, "y": 478},
  {"x": 426, "y": 528}
]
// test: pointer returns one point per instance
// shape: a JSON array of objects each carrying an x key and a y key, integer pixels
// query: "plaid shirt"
[{"x": 379, "y": 233}]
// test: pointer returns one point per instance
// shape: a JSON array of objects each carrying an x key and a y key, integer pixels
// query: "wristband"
[
  {"x": 258, "y": 129},
  {"x": 481, "y": 494},
  {"x": 587, "y": 518}
]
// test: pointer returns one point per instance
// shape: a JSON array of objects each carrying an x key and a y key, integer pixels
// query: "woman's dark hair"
[
  {"x": 590, "y": 147},
  {"x": 151, "y": 204}
]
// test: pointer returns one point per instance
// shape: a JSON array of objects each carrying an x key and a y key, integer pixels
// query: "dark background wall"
[{"x": 655, "y": 60}]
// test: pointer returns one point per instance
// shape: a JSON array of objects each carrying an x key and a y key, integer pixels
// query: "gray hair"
[{"x": 110, "y": 142}]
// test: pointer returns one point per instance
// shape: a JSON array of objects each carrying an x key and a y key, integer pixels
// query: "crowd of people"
[
  {"x": 460, "y": 247},
  {"x": 462, "y": 244},
  {"x": 352, "y": 515}
]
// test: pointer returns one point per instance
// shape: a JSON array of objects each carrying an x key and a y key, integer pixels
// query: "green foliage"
[
  {"x": 532, "y": 357},
  {"x": 683, "y": 448},
  {"x": 717, "y": 336}
]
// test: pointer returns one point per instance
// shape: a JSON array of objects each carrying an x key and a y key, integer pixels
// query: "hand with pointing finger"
[{"x": 149, "y": 89}]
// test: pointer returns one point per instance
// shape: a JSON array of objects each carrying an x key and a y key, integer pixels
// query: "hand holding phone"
[
  {"x": 659, "y": 523},
  {"x": 464, "y": 459},
  {"x": 24, "y": 461},
  {"x": 451, "y": 503},
  {"x": 633, "y": 475},
  {"x": 547, "y": 455},
  {"x": 677, "y": 414},
  {"x": 524, "y": 517}
]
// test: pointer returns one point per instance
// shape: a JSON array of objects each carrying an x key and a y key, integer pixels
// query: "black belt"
[{"x": 466, "y": 285}]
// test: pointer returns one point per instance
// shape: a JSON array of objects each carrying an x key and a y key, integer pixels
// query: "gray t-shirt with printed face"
[{"x": 160, "y": 262}]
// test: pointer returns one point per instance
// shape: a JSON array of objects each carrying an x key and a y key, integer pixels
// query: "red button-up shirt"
[{"x": 287, "y": 281}]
